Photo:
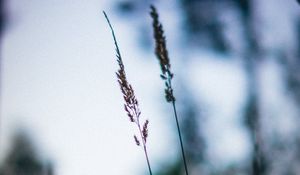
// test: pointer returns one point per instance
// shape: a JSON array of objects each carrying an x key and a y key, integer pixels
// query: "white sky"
[{"x": 59, "y": 83}]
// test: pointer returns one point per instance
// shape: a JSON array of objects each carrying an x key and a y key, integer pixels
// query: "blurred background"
[{"x": 237, "y": 85}]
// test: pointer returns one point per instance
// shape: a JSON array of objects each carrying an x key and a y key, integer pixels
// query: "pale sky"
[{"x": 59, "y": 83}]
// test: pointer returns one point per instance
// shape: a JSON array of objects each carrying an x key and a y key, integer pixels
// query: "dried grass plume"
[
  {"x": 131, "y": 104},
  {"x": 162, "y": 54}
]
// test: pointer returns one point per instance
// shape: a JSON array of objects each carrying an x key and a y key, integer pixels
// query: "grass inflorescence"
[
  {"x": 131, "y": 104},
  {"x": 161, "y": 53}
]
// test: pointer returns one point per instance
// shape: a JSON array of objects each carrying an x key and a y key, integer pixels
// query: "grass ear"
[
  {"x": 161, "y": 53},
  {"x": 131, "y": 103}
]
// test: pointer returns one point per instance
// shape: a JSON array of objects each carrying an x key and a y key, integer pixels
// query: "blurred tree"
[
  {"x": 175, "y": 168},
  {"x": 252, "y": 58},
  {"x": 1, "y": 16},
  {"x": 22, "y": 159},
  {"x": 203, "y": 24},
  {"x": 49, "y": 169}
]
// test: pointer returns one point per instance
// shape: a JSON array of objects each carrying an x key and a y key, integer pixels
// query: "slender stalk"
[
  {"x": 180, "y": 138},
  {"x": 147, "y": 158},
  {"x": 166, "y": 74},
  {"x": 178, "y": 128},
  {"x": 131, "y": 103}
]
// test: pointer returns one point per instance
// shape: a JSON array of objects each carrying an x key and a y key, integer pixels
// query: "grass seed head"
[{"x": 161, "y": 53}]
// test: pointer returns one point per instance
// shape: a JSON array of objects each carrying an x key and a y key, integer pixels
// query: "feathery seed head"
[
  {"x": 162, "y": 54},
  {"x": 160, "y": 50},
  {"x": 131, "y": 105}
]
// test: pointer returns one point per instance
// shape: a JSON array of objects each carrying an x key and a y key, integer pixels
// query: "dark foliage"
[{"x": 22, "y": 159}]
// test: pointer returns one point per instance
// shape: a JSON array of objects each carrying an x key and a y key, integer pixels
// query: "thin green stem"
[
  {"x": 180, "y": 137},
  {"x": 177, "y": 122}
]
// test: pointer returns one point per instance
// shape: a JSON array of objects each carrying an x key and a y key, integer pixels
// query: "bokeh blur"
[{"x": 237, "y": 87}]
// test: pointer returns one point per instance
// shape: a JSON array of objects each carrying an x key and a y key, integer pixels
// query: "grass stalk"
[
  {"x": 163, "y": 58},
  {"x": 180, "y": 138},
  {"x": 131, "y": 103}
]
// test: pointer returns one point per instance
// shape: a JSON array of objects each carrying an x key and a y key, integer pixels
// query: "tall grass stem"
[
  {"x": 161, "y": 53},
  {"x": 180, "y": 138},
  {"x": 131, "y": 103}
]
